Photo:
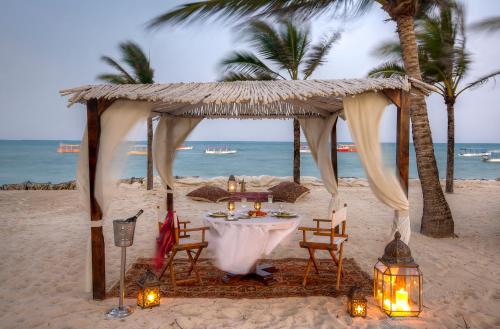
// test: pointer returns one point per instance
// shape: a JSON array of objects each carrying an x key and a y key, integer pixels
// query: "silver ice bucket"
[{"x": 124, "y": 232}]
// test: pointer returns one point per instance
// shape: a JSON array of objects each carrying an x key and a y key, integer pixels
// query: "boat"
[
  {"x": 346, "y": 148},
  {"x": 184, "y": 148},
  {"x": 493, "y": 156},
  {"x": 305, "y": 149},
  {"x": 68, "y": 148},
  {"x": 473, "y": 152},
  {"x": 219, "y": 150},
  {"x": 138, "y": 150}
]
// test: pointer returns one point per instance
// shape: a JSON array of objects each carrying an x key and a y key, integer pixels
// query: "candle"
[{"x": 402, "y": 300}]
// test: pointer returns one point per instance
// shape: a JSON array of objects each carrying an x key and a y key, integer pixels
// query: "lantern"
[
  {"x": 356, "y": 305},
  {"x": 397, "y": 281},
  {"x": 231, "y": 205},
  {"x": 231, "y": 184},
  {"x": 148, "y": 294},
  {"x": 257, "y": 205}
]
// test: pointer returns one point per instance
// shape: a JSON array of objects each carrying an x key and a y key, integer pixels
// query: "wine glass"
[
  {"x": 244, "y": 203},
  {"x": 270, "y": 201}
]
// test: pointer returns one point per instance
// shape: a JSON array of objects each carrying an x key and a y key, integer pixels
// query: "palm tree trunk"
[
  {"x": 149, "y": 179},
  {"x": 296, "y": 151},
  {"x": 437, "y": 220},
  {"x": 450, "y": 160}
]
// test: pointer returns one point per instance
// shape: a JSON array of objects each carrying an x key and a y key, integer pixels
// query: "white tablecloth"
[{"x": 238, "y": 245}]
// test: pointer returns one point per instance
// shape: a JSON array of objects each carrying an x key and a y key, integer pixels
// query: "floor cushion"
[
  {"x": 209, "y": 193},
  {"x": 288, "y": 192}
]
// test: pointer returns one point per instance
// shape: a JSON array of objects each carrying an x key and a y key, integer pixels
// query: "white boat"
[
  {"x": 219, "y": 150},
  {"x": 138, "y": 150},
  {"x": 184, "y": 148},
  {"x": 473, "y": 152},
  {"x": 305, "y": 149},
  {"x": 493, "y": 156}
]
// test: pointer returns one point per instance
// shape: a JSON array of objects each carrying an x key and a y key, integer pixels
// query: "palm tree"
[
  {"x": 437, "y": 220},
  {"x": 491, "y": 24},
  {"x": 445, "y": 62},
  {"x": 283, "y": 52},
  {"x": 133, "y": 56}
]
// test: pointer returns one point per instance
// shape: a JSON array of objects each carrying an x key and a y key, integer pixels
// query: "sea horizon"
[{"x": 38, "y": 161}]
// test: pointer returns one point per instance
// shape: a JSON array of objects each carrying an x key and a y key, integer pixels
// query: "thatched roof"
[{"x": 244, "y": 99}]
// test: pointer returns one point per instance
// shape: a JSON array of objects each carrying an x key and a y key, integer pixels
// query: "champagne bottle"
[{"x": 134, "y": 218}]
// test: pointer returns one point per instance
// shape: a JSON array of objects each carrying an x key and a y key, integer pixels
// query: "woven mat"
[{"x": 289, "y": 280}]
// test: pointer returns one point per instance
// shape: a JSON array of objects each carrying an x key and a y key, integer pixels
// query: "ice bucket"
[{"x": 124, "y": 232}]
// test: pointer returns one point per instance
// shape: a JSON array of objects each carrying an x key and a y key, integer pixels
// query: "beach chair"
[
  {"x": 330, "y": 239},
  {"x": 193, "y": 248}
]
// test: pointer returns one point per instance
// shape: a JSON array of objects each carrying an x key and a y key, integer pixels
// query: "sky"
[{"x": 51, "y": 45}]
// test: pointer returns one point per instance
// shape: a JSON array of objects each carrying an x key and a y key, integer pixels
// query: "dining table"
[{"x": 239, "y": 241}]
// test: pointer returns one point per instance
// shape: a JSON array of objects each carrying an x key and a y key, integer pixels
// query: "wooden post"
[
  {"x": 97, "y": 237},
  {"x": 170, "y": 199},
  {"x": 296, "y": 151},
  {"x": 333, "y": 152},
  {"x": 403, "y": 140}
]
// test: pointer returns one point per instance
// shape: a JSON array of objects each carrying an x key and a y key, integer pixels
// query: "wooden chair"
[
  {"x": 192, "y": 247},
  {"x": 331, "y": 239}
]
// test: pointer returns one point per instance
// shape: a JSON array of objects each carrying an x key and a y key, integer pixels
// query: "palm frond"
[
  {"x": 316, "y": 56},
  {"x": 491, "y": 24},
  {"x": 236, "y": 76},
  {"x": 481, "y": 81},
  {"x": 389, "y": 50},
  {"x": 237, "y": 9},
  {"x": 133, "y": 55},
  {"x": 111, "y": 62},
  {"x": 387, "y": 70},
  {"x": 247, "y": 64},
  {"x": 116, "y": 79}
]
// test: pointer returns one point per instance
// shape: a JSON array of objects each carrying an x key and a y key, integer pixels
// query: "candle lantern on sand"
[
  {"x": 357, "y": 302},
  {"x": 231, "y": 184},
  {"x": 397, "y": 285},
  {"x": 148, "y": 294}
]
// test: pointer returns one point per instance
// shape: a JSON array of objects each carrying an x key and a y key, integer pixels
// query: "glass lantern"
[
  {"x": 231, "y": 184},
  {"x": 357, "y": 303},
  {"x": 148, "y": 294},
  {"x": 257, "y": 205},
  {"x": 397, "y": 281}
]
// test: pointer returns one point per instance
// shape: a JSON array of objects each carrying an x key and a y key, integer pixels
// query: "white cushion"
[
  {"x": 339, "y": 216},
  {"x": 326, "y": 239}
]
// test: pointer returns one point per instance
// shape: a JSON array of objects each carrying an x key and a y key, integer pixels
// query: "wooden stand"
[{"x": 263, "y": 274}]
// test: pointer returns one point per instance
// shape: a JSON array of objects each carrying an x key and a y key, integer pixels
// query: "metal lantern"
[
  {"x": 397, "y": 281},
  {"x": 231, "y": 205},
  {"x": 357, "y": 303},
  {"x": 231, "y": 184},
  {"x": 148, "y": 295}
]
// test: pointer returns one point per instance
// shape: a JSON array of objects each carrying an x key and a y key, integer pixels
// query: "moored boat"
[
  {"x": 68, "y": 148},
  {"x": 138, "y": 150},
  {"x": 184, "y": 148},
  {"x": 346, "y": 148},
  {"x": 219, "y": 150},
  {"x": 493, "y": 156},
  {"x": 473, "y": 152}
]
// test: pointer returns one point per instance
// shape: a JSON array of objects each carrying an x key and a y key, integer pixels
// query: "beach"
[{"x": 43, "y": 246}]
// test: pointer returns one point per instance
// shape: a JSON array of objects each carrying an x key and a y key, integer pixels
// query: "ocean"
[{"x": 38, "y": 161}]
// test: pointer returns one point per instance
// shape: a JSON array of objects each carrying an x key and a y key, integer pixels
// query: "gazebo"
[{"x": 112, "y": 110}]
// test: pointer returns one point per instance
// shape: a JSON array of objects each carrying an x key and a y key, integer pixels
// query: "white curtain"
[
  {"x": 318, "y": 132},
  {"x": 363, "y": 113},
  {"x": 170, "y": 133},
  {"x": 116, "y": 122}
]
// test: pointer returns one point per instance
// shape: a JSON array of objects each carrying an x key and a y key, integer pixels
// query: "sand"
[{"x": 42, "y": 254}]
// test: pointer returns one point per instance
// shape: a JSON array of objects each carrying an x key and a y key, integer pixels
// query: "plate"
[
  {"x": 218, "y": 214},
  {"x": 284, "y": 215}
]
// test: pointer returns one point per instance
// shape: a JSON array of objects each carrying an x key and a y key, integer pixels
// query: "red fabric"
[{"x": 165, "y": 240}]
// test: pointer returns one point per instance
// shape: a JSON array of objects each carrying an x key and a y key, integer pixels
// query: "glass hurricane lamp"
[
  {"x": 397, "y": 281},
  {"x": 148, "y": 294}
]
